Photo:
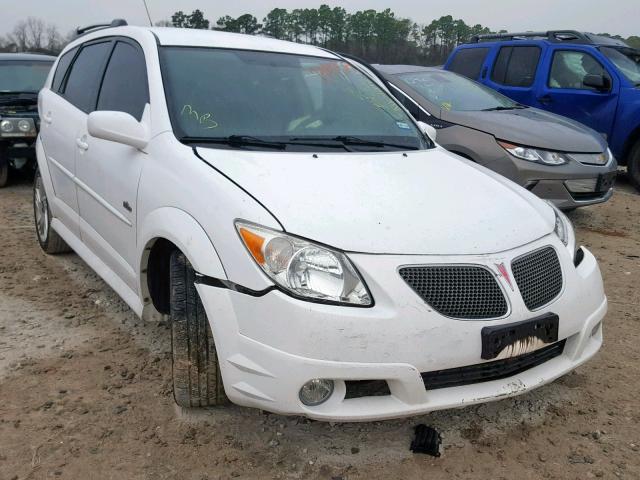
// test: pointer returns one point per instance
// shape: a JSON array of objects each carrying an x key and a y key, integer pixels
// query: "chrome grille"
[
  {"x": 457, "y": 291},
  {"x": 539, "y": 277}
]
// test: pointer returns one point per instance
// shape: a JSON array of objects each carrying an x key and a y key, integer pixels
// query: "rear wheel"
[
  {"x": 633, "y": 166},
  {"x": 197, "y": 381},
  {"x": 48, "y": 238}
]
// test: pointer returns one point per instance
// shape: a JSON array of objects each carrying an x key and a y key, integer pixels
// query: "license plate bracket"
[{"x": 497, "y": 338}]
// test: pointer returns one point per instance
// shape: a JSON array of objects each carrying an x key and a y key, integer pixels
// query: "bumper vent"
[
  {"x": 539, "y": 277},
  {"x": 458, "y": 291},
  {"x": 495, "y": 370}
]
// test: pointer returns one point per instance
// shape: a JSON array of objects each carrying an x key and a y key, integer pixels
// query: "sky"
[{"x": 615, "y": 17}]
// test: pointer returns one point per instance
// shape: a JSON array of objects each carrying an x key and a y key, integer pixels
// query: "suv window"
[
  {"x": 516, "y": 66},
  {"x": 84, "y": 80},
  {"x": 569, "y": 68},
  {"x": 124, "y": 87},
  {"x": 63, "y": 66},
  {"x": 469, "y": 61}
]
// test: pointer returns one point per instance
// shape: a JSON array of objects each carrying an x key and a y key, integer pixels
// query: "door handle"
[
  {"x": 545, "y": 100},
  {"x": 82, "y": 145},
  {"x": 47, "y": 118}
]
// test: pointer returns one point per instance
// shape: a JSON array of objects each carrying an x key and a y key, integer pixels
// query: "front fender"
[{"x": 184, "y": 232}]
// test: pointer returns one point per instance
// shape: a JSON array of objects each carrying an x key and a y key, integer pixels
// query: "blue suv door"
[{"x": 562, "y": 89}]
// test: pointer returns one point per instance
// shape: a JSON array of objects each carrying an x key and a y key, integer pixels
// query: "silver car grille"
[
  {"x": 458, "y": 291},
  {"x": 539, "y": 277}
]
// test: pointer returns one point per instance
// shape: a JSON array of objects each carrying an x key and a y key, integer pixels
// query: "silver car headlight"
[
  {"x": 545, "y": 157},
  {"x": 17, "y": 127},
  {"x": 305, "y": 269},
  {"x": 564, "y": 230}
]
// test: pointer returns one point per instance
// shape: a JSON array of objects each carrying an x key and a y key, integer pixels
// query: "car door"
[
  {"x": 514, "y": 72},
  {"x": 563, "y": 91},
  {"x": 59, "y": 121},
  {"x": 108, "y": 172}
]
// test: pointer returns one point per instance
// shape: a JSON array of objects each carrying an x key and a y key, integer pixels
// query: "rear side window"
[
  {"x": 63, "y": 66},
  {"x": 516, "y": 66},
  {"x": 469, "y": 61},
  {"x": 84, "y": 79},
  {"x": 124, "y": 87}
]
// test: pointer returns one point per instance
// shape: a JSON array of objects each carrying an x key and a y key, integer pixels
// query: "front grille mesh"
[
  {"x": 457, "y": 291},
  {"x": 539, "y": 277}
]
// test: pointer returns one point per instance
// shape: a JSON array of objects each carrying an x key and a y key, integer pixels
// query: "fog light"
[{"x": 316, "y": 391}]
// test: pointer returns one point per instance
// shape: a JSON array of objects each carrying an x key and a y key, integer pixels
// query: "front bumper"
[
  {"x": 553, "y": 182},
  {"x": 270, "y": 346}
]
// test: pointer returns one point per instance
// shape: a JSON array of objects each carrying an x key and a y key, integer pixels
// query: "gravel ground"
[{"x": 85, "y": 389}]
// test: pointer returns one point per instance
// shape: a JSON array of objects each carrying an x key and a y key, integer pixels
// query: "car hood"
[
  {"x": 532, "y": 128},
  {"x": 427, "y": 202}
]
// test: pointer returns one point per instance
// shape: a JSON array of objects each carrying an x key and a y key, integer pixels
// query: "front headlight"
[
  {"x": 305, "y": 269},
  {"x": 17, "y": 127},
  {"x": 564, "y": 230},
  {"x": 534, "y": 154}
]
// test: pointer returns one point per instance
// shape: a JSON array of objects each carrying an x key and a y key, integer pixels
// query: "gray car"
[{"x": 554, "y": 157}]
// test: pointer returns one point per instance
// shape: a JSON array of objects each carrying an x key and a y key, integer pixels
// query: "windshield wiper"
[
  {"x": 501, "y": 108},
  {"x": 349, "y": 140},
  {"x": 14, "y": 92},
  {"x": 235, "y": 141}
]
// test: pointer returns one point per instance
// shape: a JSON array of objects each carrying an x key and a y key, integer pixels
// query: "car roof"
[
  {"x": 191, "y": 37},
  {"x": 399, "y": 69},
  {"x": 34, "y": 57}
]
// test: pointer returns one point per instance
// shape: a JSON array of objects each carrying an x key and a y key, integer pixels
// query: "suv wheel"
[
  {"x": 197, "y": 381},
  {"x": 48, "y": 238},
  {"x": 633, "y": 166}
]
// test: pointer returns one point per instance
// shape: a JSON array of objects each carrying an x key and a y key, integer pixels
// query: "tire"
[
  {"x": 197, "y": 381},
  {"x": 49, "y": 240},
  {"x": 633, "y": 166},
  {"x": 4, "y": 173}
]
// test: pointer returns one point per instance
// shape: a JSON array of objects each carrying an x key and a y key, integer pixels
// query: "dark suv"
[
  {"x": 21, "y": 78},
  {"x": 589, "y": 78}
]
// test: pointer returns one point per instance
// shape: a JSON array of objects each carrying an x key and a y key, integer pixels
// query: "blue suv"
[{"x": 589, "y": 78}]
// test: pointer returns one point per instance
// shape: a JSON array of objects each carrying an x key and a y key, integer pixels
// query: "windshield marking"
[{"x": 205, "y": 119}]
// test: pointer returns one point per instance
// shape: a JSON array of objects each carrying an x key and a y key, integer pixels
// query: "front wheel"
[
  {"x": 48, "y": 238},
  {"x": 633, "y": 166},
  {"x": 197, "y": 381}
]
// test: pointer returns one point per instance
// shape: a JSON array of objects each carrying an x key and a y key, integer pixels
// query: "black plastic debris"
[{"x": 427, "y": 440}]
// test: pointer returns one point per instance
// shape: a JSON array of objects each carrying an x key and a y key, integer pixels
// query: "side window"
[
  {"x": 469, "y": 61},
  {"x": 61, "y": 70},
  {"x": 516, "y": 66},
  {"x": 570, "y": 67},
  {"x": 125, "y": 87},
  {"x": 84, "y": 80}
]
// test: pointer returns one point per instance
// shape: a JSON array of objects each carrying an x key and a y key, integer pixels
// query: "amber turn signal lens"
[{"x": 254, "y": 243}]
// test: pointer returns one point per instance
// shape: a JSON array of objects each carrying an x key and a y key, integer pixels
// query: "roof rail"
[
  {"x": 551, "y": 35},
  {"x": 118, "y": 22}
]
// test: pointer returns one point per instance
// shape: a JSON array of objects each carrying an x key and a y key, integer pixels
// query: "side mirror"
[
  {"x": 428, "y": 130},
  {"x": 118, "y": 127},
  {"x": 599, "y": 82}
]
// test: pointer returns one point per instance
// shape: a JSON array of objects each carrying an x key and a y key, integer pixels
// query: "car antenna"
[{"x": 148, "y": 14}]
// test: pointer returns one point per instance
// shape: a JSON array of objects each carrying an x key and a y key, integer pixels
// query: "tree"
[
  {"x": 194, "y": 20},
  {"x": 276, "y": 23},
  {"x": 246, "y": 23}
]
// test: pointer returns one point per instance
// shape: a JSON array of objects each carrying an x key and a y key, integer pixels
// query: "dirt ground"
[{"x": 85, "y": 389}]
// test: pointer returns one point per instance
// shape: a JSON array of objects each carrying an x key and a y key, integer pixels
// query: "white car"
[{"x": 316, "y": 253}]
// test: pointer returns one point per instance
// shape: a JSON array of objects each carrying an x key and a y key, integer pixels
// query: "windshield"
[
  {"x": 627, "y": 60},
  {"x": 450, "y": 91},
  {"x": 264, "y": 96},
  {"x": 23, "y": 76}
]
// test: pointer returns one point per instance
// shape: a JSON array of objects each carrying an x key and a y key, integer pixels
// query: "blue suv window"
[
  {"x": 516, "y": 66},
  {"x": 570, "y": 67},
  {"x": 469, "y": 61}
]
